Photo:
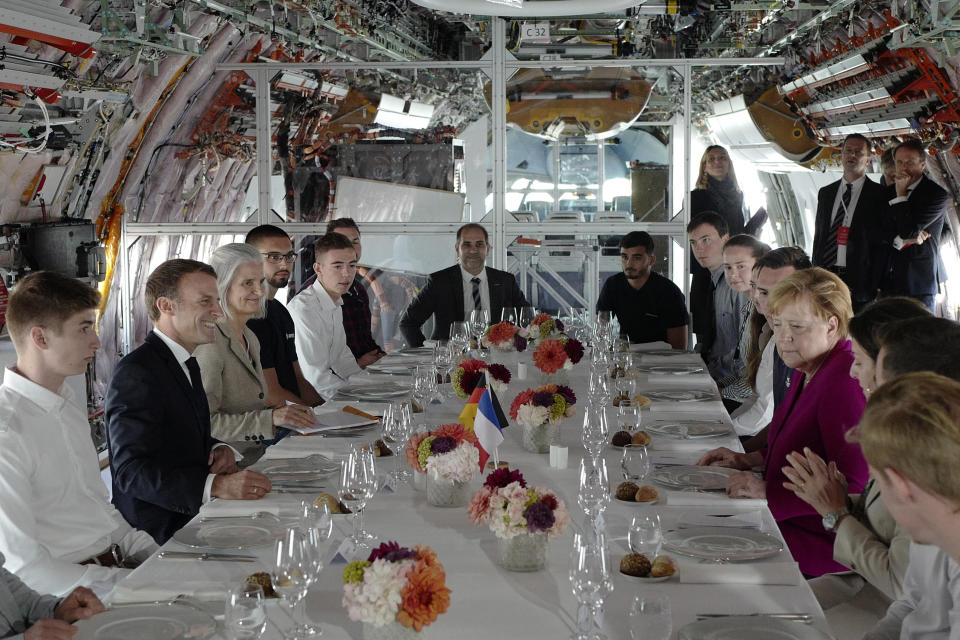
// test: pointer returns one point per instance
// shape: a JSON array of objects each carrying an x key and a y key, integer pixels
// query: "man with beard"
[
  {"x": 650, "y": 308},
  {"x": 275, "y": 331}
]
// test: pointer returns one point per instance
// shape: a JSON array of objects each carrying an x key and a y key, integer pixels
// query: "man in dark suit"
[
  {"x": 917, "y": 213},
  {"x": 847, "y": 238},
  {"x": 451, "y": 293},
  {"x": 164, "y": 462}
]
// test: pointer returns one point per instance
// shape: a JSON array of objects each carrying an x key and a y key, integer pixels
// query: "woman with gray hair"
[{"x": 230, "y": 365}]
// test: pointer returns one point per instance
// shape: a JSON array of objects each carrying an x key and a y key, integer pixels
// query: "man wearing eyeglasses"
[{"x": 276, "y": 332}]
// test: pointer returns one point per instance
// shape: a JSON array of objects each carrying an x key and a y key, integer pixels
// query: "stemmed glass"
[
  {"x": 245, "y": 615},
  {"x": 635, "y": 463},
  {"x": 508, "y": 314},
  {"x": 591, "y": 583},
  {"x": 650, "y": 617},
  {"x": 293, "y": 573},
  {"x": 316, "y": 515},
  {"x": 525, "y": 315},
  {"x": 646, "y": 535},
  {"x": 479, "y": 320},
  {"x": 443, "y": 359},
  {"x": 400, "y": 430},
  {"x": 424, "y": 385},
  {"x": 358, "y": 483},
  {"x": 596, "y": 428},
  {"x": 594, "y": 493}
]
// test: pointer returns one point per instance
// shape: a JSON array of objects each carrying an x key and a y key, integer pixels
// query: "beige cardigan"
[
  {"x": 878, "y": 549},
  {"x": 235, "y": 387}
]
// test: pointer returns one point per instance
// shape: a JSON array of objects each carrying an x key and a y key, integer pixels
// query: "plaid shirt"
[{"x": 356, "y": 319}]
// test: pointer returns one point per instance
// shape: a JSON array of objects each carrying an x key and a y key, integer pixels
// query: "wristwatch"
[{"x": 832, "y": 519}]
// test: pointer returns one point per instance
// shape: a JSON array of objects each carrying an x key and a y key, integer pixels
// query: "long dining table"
[{"x": 488, "y": 601}]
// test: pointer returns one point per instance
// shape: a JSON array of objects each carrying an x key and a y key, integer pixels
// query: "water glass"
[
  {"x": 591, "y": 583},
  {"x": 650, "y": 617},
  {"x": 628, "y": 416},
  {"x": 508, "y": 314},
  {"x": 317, "y": 516},
  {"x": 358, "y": 483},
  {"x": 645, "y": 535},
  {"x": 596, "y": 428},
  {"x": 525, "y": 315},
  {"x": 245, "y": 615},
  {"x": 635, "y": 463},
  {"x": 479, "y": 321},
  {"x": 293, "y": 571},
  {"x": 594, "y": 493}
]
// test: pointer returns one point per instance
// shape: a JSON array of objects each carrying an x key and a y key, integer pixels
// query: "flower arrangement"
[
  {"x": 543, "y": 326},
  {"x": 510, "y": 508},
  {"x": 505, "y": 336},
  {"x": 396, "y": 584},
  {"x": 470, "y": 372},
  {"x": 450, "y": 451},
  {"x": 550, "y": 402},
  {"x": 554, "y": 354}
]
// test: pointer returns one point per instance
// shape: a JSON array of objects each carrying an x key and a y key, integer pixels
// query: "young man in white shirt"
[
  {"x": 326, "y": 361},
  {"x": 910, "y": 436},
  {"x": 58, "y": 529}
]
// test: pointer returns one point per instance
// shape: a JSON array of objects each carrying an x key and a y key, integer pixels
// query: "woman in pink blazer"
[{"x": 811, "y": 311}]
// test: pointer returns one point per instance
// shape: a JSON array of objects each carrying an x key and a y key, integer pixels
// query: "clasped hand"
[{"x": 817, "y": 483}]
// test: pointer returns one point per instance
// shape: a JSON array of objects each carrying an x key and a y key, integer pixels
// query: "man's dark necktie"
[
  {"x": 195, "y": 380},
  {"x": 476, "y": 294},
  {"x": 830, "y": 250}
]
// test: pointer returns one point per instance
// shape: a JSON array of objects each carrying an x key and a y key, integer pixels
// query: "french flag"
[{"x": 487, "y": 426}]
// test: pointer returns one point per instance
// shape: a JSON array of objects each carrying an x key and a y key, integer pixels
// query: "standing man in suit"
[
  {"x": 164, "y": 462},
  {"x": 847, "y": 228},
  {"x": 917, "y": 212},
  {"x": 452, "y": 293}
]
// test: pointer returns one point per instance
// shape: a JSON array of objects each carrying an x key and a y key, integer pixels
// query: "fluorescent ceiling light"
[
  {"x": 530, "y": 8},
  {"x": 402, "y": 114}
]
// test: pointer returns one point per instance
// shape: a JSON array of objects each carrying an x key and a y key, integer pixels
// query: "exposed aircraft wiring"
[{"x": 47, "y": 130}]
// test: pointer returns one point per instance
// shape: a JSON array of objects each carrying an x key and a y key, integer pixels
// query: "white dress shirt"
[
  {"x": 929, "y": 608},
  {"x": 838, "y": 209},
  {"x": 54, "y": 509},
  {"x": 757, "y": 412},
  {"x": 324, "y": 357},
  {"x": 898, "y": 241},
  {"x": 182, "y": 355},
  {"x": 468, "y": 293}
]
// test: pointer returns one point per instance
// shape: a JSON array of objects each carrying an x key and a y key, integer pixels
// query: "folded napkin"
[
  {"x": 787, "y": 573},
  {"x": 303, "y": 446},
  {"x": 650, "y": 346},
  {"x": 219, "y": 508},
  {"x": 679, "y": 411},
  {"x": 205, "y": 590},
  {"x": 674, "y": 458},
  {"x": 696, "y": 499},
  {"x": 679, "y": 358},
  {"x": 744, "y": 520}
]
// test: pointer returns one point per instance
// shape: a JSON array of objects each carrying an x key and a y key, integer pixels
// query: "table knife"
[
  {"x": 196, "y": 555},
  {"x": 806, "y": 618}
]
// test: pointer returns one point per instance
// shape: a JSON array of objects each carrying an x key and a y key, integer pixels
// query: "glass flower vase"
[
  {"x": 539, "y": 438},
  {"x": 390, "y": 631},
  {"x": 560, "y": 376},
  {"x": 445, "y": 493},
  {"x": 524, "y": 552},
  {"x": 419, "y": 481}
]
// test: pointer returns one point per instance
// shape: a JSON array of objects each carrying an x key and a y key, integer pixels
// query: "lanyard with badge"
[{"x": 843, "y": 231}]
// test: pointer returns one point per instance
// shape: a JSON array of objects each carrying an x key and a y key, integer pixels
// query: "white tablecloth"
[{"x": 488, "y": 601}]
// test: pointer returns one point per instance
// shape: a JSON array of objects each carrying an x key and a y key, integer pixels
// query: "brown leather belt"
[{"x": 112, "y": 557}]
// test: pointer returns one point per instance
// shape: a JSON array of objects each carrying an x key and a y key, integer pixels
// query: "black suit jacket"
[
  {"x": 442, "y": 297},
  {"x": 914, "y": 270},
  {"x": 867, "y": 251},
  {"x": 158, "y": 431}
]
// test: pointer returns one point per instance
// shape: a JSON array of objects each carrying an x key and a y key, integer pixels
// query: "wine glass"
[
  {"x": 594, "y": 493},
  {"x": 424, "y": 385},
  {"x": 293, "y": 572},
  {"x": 596, "y": 428},
  {"x": 650, "y": 617},
  {"x": 316, "y": 515},
  {"x": 646, "y": 535},
  {"x": 525, "y": 315},
  {"x": 479, "y": 320},
  {"x": 245, "y": 615},
  {"x": 591, "y": 583},
  {"x": 357, "y": 483},
  {"x": 385, "y": 421},
  {"x": 401, "y": 427},
  {"x": 508, "y": 314},
  {"x": 635, "y": 463}
]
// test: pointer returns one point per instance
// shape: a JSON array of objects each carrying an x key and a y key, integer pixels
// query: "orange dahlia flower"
[
  {"x": 456, "y": 431},
  {"x": 501, "y": 332},
  {"x": 549, "y": 356},
  {"x": 424, "y": 597}
]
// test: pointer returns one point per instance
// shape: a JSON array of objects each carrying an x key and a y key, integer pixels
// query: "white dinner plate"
[
  {"x": 749, "y": 628},
  {"x": 395, "y": 369},
  {"x": 688, "y": 430},
  {"x": 413, "y": 352},
  {"x": 693, "y": 477},
  {"x": 235, "y": 532},
  {"x": 680, "y": 395},
  {"x": 647, "y": 580},
  {"x": 669, "y": 369},
  {"x": 312, "y": 464},
  {"x": 722, "y": 543},
  {"x": 374, "y": 390},
  {"x": 147, "y": 622}
]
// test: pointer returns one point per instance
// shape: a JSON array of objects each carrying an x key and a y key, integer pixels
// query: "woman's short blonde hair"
[
  {"x": 825, "y": 291},
  {"x": 912, "y": 424}
]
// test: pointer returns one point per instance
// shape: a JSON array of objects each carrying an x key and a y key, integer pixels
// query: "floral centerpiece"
[
  {"x": 396, "y": 591},
  {"x": 539, "y": 409},
  {"x": 557, "y": 354},
  {"x": 521, "y": 517},
  {"x": 469, "y": 372},
  {"x": 505, "y": 336},
  {"x": 544, "y": 326},
  {"x": 450, "y": 457}
]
